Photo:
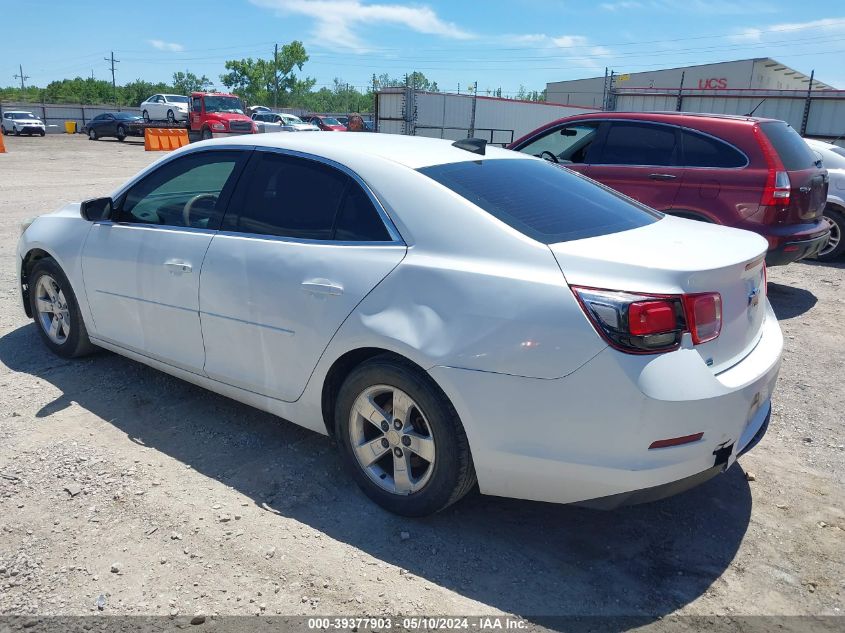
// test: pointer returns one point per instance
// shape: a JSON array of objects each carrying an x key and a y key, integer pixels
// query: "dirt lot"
[{"x": 122, "y": 484}]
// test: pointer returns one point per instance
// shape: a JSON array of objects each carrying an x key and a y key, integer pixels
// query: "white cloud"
[
  {"x": 577, "y": 49},
  {"x": 166, "y": 46},
  {"x": 624, "y": 5},
  {"x": 709, "y": 7},
  {"x": 754, "y": 34},
  {"x": 337, "y": 21}
]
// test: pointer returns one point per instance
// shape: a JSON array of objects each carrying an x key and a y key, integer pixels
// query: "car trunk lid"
[{"x": 674, "y": 257}]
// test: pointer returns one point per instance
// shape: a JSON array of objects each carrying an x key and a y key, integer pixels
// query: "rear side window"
[
  {"x": 541, "y": 200},
  {"x": 705, "y": 151},
  {"x": 630, "y": 143},
  {"x": 794, "y": 153},
  {"x": 286, "y": 196}
]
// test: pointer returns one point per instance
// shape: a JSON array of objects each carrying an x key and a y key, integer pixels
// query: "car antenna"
[
  {"x": 757, "y": 106},
  {"x": 474, "y": 145}
]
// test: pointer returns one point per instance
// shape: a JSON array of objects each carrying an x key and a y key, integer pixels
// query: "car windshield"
[
  {"x": 23, "y": 115},
  {"x": 290, "y": 118},
  {"x": 327, "y": 120},
  {"x": 125, "y": 116},
  {"x": 223, "y": 104},
  {"x": 541, "y": 200},
  {"x": 176, "y": 99}
]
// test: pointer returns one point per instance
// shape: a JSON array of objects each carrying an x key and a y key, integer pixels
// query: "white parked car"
[
  {"x": 163, "y": 107},
  {"x": 19, "y": 122},
  {"x": 833, "y": 159},
  {"x": 450, "y": 313},
  {"x": 282, "y": 122}
]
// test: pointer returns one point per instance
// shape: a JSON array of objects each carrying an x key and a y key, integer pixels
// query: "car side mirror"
[{"x": 97, "y": 209}]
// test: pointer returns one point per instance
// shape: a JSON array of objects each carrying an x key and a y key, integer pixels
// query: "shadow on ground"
[
  {"x": 521, "y": 557},
  {"x": 789, "y": 302}
]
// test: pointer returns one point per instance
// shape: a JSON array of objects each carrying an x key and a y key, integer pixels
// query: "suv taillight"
[
  {"x": 639, "y": 323},
  {"x": 778, "y": 189}
]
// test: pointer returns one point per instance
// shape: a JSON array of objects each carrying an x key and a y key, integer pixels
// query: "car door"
[
  {"x": 641, "y": 160},
  {"x": 107, "y": 126},
  {"x": 141, "y": 267},
  {"x": 302, "y": 244},
  {"x": 570, "y": 145}
]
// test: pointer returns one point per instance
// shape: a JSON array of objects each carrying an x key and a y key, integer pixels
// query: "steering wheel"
[
  {"x": 189, "y": 205},
  {"x": 547, "y": 155}
]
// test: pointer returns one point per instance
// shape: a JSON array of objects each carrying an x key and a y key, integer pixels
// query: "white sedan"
[
  {"x": 282, "y": 122},
  {"x": 451, "y": 313},
  {"x": 163, "y": 107},
  {"x": 833, "y": 159}
]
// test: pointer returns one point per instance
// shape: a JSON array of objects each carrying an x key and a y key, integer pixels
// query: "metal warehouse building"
[{"x": 762, "y": 73}]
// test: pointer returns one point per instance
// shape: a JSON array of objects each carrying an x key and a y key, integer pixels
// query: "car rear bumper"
[
  {"x": 793, "y": 251},
  {"x": 790, "y": 243},
  {"x": 586, "y": 436}
]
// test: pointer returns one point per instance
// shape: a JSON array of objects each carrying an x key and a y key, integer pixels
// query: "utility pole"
[
  {"x": 275, "y": 76},
  {"x": 113, "y": 82},
  {"x": 807, "y": 103},
  {"x": 22, "y": 77}
]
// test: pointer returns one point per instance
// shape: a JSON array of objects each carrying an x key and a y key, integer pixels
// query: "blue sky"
[{"x": 499, "y": 43}]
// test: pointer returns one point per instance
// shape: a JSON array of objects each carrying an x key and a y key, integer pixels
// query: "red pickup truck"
[{"x": 215, "y": 114}]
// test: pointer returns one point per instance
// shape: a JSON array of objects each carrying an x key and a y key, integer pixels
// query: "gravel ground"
[{"x": 126, "y": 491}]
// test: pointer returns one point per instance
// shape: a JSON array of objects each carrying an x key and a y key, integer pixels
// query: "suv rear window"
[
  {"x": 794, "y": 153},
  {"x": 543, "y": 201}
]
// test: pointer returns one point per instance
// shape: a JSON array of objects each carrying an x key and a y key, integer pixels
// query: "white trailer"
[{"x": 455, "y": 116}]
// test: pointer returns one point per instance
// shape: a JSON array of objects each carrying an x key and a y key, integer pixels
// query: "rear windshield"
[
  {"x": 793, "y": 151},
  {"x": 543, "y": 201}
]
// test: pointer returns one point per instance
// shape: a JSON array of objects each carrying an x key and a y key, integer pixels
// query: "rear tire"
[
  {"x": 836, "y": 245},
  {"x": 431, "y": 429},
  {"x": 121, "y": 133},
  {"x": 50, "y": 288}
]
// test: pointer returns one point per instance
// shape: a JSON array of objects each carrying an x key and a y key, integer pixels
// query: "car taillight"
[
  {"x": 640, "y": 323},
  {"x": 778, "y": 188},
  {"x": 704, "y": 316}
]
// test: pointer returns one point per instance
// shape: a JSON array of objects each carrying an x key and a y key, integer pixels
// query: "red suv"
[{"x": 749, "y": 173}]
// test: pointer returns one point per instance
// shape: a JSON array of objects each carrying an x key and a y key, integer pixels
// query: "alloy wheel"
[
  {"x": 392, "y": 439},
  {"x": 53, "y": 311},
  {"x": 835, "y": 236}
]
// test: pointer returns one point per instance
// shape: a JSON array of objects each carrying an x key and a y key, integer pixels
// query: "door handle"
[
  {"x": 322, "y": 287},
  {"x": 662, "y": 176},
  {"x": 178, "y": 266}
]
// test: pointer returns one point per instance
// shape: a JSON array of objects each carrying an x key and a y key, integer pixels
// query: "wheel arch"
[
  {"x": 32, "y": 256},
  {"x": 343, "y": 366},
  {"x": 688, "y": 214}
]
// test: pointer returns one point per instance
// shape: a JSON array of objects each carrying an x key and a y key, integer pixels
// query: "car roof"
[
  {"x": 411, "y": 151},
  {"x": 668, "y": 116}
]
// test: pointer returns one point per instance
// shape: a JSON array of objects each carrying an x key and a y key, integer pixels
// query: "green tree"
[
  {"x": 184, "y": 83},
  {"x": 258, "y": 80}
]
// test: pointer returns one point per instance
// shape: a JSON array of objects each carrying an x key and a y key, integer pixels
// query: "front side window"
[
  {"x": 543, "y": 201},
  {"x": 286, "y": 196},
  {"x": 632, "y": 143},
  {"x": 186, "y": 192},
  {"x": 569, "y": 144}
]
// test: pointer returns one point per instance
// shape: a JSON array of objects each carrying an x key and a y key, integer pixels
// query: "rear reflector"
[{"x": 676, "y": 441}]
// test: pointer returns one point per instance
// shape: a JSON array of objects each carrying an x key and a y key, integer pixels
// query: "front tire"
[
  {"x": 56, "y": 311},
  {"x": 206, "y": 134},
  {"x": 836, "y": 246},
  {"x": 402, "y": 439},
  {"x": 146, "y": 116},
  {"x": 170, "y": 117},
  {"x": 16, "y": 131},
  {"x": 92, "y": 135}
]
